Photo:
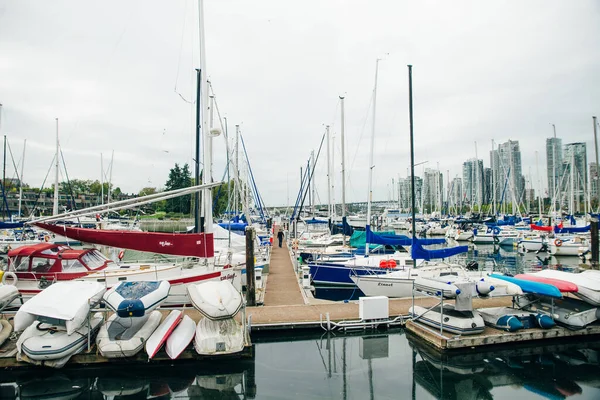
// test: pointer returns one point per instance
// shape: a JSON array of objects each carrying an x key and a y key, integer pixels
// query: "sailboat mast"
[
  {"x": 343, "y": 170},
  {"x": 55, "y": 205},
  {"x": 112, "y": 159},
  {"x": 328, "y": 176},
  {"x": 493, "y": 180},
  {"x": 207, "y": 177},
  {"x": 412, "y": 151},
  {"x": 370, "y": 195},
  {"x": 597, "y": 169},
  {"x": 197, "y": 223},
  {"x": 554, "y": 191},
  {"x": 101, "y": 179},
  {"x": 537, "y": 165},
  {"x": 21, "y": 177}
]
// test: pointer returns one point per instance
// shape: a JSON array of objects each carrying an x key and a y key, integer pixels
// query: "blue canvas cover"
[{"x": 418, "y": 252}]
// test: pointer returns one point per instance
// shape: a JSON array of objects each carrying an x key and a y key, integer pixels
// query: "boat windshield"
[
  {"x": 73, "y": 266},
  {"x": 21, "y": 264},
  {"x": 93, "y": 259}
]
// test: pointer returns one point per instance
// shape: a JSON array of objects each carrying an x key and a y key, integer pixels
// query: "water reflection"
[
  {"x": 213, "y": 380},
  {"x": 554, "y": 372},
  {"x": 353, "y": 365}
]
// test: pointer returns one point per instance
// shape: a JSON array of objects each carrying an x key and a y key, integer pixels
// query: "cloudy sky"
[{"x": 119, "y": 77}]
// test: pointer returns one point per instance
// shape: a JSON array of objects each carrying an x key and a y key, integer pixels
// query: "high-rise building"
[
  {"x": 554, "y": 164},
  {"x": 433, "y": 189},
  {"x": 509, "y": 177},
  {"x": 487, "y": 186},
  {"x": 473, "y": 181},
  {"x": 455, "y": 196},
  {"x": 575, "y": 178},
  {"x": 405, "y": 193}
]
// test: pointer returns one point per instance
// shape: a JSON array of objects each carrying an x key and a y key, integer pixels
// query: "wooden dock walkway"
[{"x": 283, "y": 288}]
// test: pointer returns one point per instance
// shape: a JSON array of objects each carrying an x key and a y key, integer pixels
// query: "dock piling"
[
  {"x": 594, "y": 241},
  {"x": 250, "y": 283}
]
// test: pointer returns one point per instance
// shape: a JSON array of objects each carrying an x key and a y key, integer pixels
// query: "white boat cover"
[
  {"x": 5, "y": 330},
  {"x": 160, "y": 335},
  {"x": 69, "y": 301},
  {"x": 7, "y": 294},
  {"x": 137, "y": 298},
  {"x": 181, "y": 337},
  {"x": 219, "y": 337},
  {"x": 215, "y": 299}
]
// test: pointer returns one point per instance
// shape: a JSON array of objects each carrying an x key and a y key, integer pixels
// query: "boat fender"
[
  {"x": 295, "y": 244},
  {"x": 558, "y": 242},
  {"x": 46, "y": 238},
  {"x": 509, "y": 323},
  {"x": 496, "y": 230},
  {"x": 9, "y": 278},
  {"x": 544, "y": 321},
  {"x": 121, "y": 255},
  {"x": 483, "y": 288},
  {"x": 131, "y": 308}
]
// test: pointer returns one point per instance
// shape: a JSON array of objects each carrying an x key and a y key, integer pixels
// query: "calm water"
[{"x": 378, "y": 365}]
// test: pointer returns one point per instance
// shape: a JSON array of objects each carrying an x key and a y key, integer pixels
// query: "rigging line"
[
  {"x": 32, "y": 213},
  {"x": 13, "y": 162},
  {"x": 362, "y": 131},
  {"x": 181, "y": 46}
]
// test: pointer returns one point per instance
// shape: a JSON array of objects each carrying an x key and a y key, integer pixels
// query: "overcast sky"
[{"x": 118, "y": 75}]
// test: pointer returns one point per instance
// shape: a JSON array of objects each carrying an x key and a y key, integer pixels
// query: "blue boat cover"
[
  {"x": 343, "y": 228},
  {"x": 418, "y": 252},
  {"x": 315, "y": 221},
  {"x": 396, "y": 240},
  {"x": 11, "y": 225},
  {"x": 234, "y": 226},
  {"x": 571, "y": 229}
]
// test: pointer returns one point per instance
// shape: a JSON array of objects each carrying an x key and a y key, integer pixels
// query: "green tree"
[{"x": 179, "y": 178}]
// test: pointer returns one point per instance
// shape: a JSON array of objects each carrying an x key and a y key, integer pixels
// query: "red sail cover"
[
  {"x": 179, "y": 244},
  {"x": 534, "y": 227}
]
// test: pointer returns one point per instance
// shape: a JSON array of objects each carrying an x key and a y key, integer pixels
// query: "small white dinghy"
[
  {"x": 219, "y": 337},
  {"x": 459, "y": 322},
  {"x": 52, "y": 346},
  {"x": 160, "y": 335},
  {"x": 181, "y": 337},
  {"x": 8, "y": 293},
  {"x": 125, "y": 337},
  {"x": 66, "y": 301},
  {"x": 137, "y": 298},
  {"x": 215, "y": 299}
]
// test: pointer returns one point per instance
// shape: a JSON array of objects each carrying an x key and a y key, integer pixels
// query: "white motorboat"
[
  {"x": 125, "y": 337},
  {"x": 36, "y": 267},
  {"x": 69, "y": 302},
  {"x": 588, "y": 284},
  {"x": 136, "y": 298},
  {"x": 225, "y": 336},
  {"x": 510, "y": 319},
  {"x": 453, "y": 321},
  {"x": 181, "y": 337},
  {"x": 51, "y": 345},
  {"x": 160, "y": 335},
  {"x": 567, "y": 247},
  {"x": 216, "y": 300}
]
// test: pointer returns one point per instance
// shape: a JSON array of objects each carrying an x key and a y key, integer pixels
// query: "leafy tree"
[{"x": 179, "y": 178}]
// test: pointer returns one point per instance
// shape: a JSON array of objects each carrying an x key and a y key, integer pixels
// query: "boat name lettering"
[
  {"x": 165, "y": 243},
  {"x": 228, "y": 277},
  {"x": 384, "y": 284}
]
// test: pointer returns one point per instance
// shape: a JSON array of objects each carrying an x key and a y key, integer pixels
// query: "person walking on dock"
[{"x": 280, "y": 236}]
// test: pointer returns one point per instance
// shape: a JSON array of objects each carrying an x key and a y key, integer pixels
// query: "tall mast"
[
  {"x": 328, "y": 176},
  {"x": 537, "y": 165},
  {"x": 343, "y": 169},
  {"x": 597, "y": 168},
  {"x": 198, "y": 226},
  {"x": 572, "y": 197},
  {"x": 207, "y": 177},
  {"x": 101, "y": 179},
  {"x": 493, "y": 180},
  {"x": 371, "y": 166},
  {"x": 112, "y": 159},
  {"x": 55, "y": 205},
  {"x": 21, "y": 177},
  {"x": 412, "y": 151},
  {"x": 312, "y": 183},
  {"x": 4, "y": 180},
  {"x": 554, "y": 191}
]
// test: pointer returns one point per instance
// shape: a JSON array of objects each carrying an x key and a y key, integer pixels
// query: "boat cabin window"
[
  {"x": 73, "y": 266},
  {"x": 40, "y": 264},
  {"x": 93, "y": 259},
  {"x": 21, "y": 264},
  {"x": 51, "y": 252}
]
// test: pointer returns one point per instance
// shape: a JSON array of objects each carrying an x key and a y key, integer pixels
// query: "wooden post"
[
  {"x": 594, "y": 241},
  {"x": 250, "y": 284}
]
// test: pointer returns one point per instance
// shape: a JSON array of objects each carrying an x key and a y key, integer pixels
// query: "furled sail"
[{"x": 179, "y": 244}]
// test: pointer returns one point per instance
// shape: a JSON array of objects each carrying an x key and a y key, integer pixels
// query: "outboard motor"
[{"x": 472, "y": 266}]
